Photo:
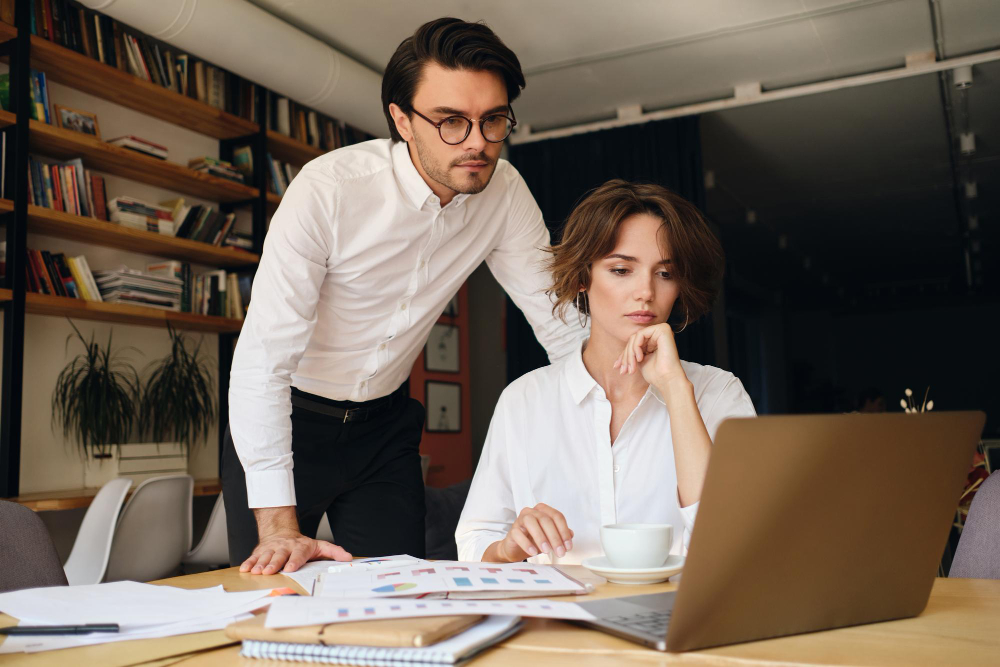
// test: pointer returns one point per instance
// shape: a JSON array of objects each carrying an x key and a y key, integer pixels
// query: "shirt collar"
[
  {"x": 582, "y": 383},
  {"x": 410, "y": 180}
]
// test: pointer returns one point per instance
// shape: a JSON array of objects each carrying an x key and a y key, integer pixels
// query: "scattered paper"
[
  {"x": 299, "y": 611},
  {"x": 140, "y": 610}
]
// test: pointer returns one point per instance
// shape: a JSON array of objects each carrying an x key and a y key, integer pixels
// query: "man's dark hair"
[{"x": 452, "y": 44}]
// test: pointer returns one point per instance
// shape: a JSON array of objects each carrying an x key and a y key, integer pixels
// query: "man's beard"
[{"x": 468, "y": 184}]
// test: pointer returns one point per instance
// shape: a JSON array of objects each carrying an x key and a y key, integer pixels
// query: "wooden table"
[
  {"x": 74, "y": 498},
  {"x": 959, "y": 627}
]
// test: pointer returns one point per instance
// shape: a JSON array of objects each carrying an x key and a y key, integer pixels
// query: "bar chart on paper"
[{"x": 449, "y": 578}]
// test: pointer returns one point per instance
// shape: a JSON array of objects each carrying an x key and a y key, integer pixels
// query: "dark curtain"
[{"x": 560, "y": 172}]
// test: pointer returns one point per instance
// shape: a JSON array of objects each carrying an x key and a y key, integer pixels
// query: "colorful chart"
[{"x": 392, "y": 588}]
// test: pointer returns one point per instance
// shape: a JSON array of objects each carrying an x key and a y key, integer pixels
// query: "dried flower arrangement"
[{"x": 908, "y": 405}]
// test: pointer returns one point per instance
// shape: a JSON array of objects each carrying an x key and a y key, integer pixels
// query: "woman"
[{"x": 622, "y": 431}]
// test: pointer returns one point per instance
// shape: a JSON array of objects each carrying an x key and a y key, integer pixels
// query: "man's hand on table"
[{"x": 282, "y": 547}]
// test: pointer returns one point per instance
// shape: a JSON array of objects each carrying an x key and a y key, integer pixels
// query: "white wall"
[{"x": 48, "y": 461}]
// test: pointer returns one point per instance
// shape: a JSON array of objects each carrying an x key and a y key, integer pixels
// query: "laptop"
[{"x": 809, "y": 523}]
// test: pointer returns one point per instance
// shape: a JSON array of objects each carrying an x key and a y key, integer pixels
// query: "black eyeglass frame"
[{"x": 468, "y": 125}]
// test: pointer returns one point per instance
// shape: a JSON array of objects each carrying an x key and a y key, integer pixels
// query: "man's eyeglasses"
[{"x": 455, "y": 129}]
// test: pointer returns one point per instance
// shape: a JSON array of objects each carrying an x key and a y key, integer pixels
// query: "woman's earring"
[{"x": 582, "y": 309}]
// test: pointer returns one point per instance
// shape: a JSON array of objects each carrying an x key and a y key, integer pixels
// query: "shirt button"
[
  {"x": 402, "y": 306},
  {"x": 618, "y": 468},
  {"x": 423, "y": 263},
  {"x": 382, "y": 346}
]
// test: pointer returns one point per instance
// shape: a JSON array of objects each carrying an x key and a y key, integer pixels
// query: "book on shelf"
[
  {"x": 132, "y": 286},
  {"x": 39, "y": 92},
  {"x": 58, "y": 275},
  {"x": 137, "y": 214},
  {"x": 140, "y": 145},
  {"x": 66, "y": 186},
  {"x": 216, "y": 167},
  {"x": 199, "y": 223},
  {"x": 237, "y": 240},
  {"x": 107, "y": 41},
  {"x": 280, "y": 175}
]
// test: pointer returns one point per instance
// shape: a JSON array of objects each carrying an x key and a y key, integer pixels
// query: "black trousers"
[{"x": 364, "y": 475}]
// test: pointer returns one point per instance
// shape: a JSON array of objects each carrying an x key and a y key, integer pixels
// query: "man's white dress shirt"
[
  {"x": 550, "y": 442},
  {"x": 359, "y": 262}
]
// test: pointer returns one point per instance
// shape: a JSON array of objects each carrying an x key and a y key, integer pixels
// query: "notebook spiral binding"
[{"x": 340, "y": 655}]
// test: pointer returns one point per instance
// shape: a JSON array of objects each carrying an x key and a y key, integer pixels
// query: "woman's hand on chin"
[
  {"x": 653, "y": 351},
  {"x": 538, "y": 529}
]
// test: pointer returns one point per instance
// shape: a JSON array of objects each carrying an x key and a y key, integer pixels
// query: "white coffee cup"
[{"x": 637, "y": 545}]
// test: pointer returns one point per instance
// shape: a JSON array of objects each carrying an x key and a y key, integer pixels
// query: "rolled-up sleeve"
[
  {"x": 518, "y": 264},
  {"x": 489, "y": 509},
  {"x": 278, "y": 326}
]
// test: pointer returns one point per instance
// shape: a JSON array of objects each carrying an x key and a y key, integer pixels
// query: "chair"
[
  {"x": 978, "y": 553},
  {"x": 154, "y": 531},
  {"x": 89, "y": 559},
  {"x": 444, "y": 509},
  {"x": 29, "y": 558},
  {"x": 213, "y": 548}
]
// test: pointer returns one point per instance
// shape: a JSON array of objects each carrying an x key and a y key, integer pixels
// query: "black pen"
[{"x": 59, "y": 629}]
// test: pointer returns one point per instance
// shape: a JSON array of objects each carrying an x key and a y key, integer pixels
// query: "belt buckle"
[{"x": 347, "y": 413}]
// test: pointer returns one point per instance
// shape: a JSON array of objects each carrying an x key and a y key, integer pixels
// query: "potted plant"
[
  {"x": 95, "y": 401},
  {"x": 178, "y": 402}
]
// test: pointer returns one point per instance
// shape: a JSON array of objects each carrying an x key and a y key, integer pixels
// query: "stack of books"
[
  {"x": 131, "y": 286},
  {"x": 214, "y": 293},
  {"x": 281, "y": 174},
  {"x": 137, "y": 214},
  {"x": 199, "y": 223},
  {"x": 216, "y": 167},
  {"x": 139, "y": 145},
  {"x": 66, "y": 186},
  {"x": 59, "y": 275},
  {"x": 39, "y": 96},
  {"x": 105, "y": 40}
]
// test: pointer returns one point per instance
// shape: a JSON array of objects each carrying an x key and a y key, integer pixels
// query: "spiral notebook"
[{"x": 452, "y": 651}]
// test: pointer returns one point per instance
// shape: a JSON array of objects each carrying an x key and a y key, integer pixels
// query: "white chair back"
[
  {"x": 213, "y": 548},
  {"x": 154, "y": 531},
  {"x": 88, "y": 560}
]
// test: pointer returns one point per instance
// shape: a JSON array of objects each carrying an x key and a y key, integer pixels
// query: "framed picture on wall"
[
  {"x": 443, "y": 401},
  {"x": 441, "y": 351},
  {"x": 451, "y": 310}
]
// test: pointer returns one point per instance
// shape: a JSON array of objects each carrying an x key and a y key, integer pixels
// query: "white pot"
[{"x": 137, "y": 462}]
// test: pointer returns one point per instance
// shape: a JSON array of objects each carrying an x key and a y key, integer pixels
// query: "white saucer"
[{"x": 600, "y": 565}]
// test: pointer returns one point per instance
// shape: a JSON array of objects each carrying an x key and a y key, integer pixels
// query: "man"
[{"x": 368, "y": 246}]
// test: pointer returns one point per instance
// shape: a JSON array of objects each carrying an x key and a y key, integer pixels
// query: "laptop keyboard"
[{"x": 649, "y": 622}]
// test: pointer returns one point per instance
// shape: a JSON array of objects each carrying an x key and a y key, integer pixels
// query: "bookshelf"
[
  {"x": 60, "y": 224},
  {"x": 76, "y": 70},
  {"x": 24, "y": 52},
  {"x": 61, "y": 306},
  {"x": 286, "y": 149},
  {"x": 67, "y": 144}
]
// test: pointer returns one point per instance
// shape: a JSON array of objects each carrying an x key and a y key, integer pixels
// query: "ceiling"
[{"x": 859, "y": 184}]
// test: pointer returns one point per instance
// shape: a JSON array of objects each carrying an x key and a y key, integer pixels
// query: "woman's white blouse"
[{"x": 550, "y": 442}]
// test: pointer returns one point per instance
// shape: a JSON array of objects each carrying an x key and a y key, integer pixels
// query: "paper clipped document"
[
  {"x": 451, "y": 577},
  {"x": 299, "y": 611}
]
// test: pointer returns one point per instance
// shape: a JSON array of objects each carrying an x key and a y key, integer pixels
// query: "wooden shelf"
[
  {"x": 5, "y": 295},
  {"x": 67, "y": 144},
  {"x": 63, "y": 225},
  {"x": 286, "y": 149},
  {"x": 76, "y": 498},
  {"x": 78, "y": 71},
  {"x": 272, "y": 201},
  {"x": 61, "y": 306}
]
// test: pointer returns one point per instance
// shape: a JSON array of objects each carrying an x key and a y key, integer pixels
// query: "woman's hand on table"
[{"x": 538, "y": 529}]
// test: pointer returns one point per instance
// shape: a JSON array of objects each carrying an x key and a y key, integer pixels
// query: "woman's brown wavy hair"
[{"x": 591, "y": 233}]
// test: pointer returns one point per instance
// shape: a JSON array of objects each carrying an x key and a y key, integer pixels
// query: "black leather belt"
[{"x": 358, "y": 412}]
